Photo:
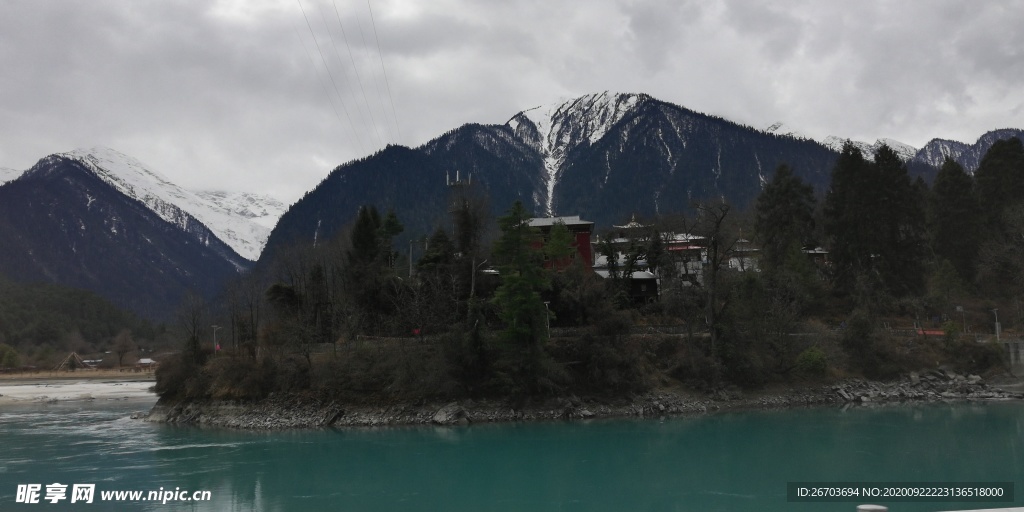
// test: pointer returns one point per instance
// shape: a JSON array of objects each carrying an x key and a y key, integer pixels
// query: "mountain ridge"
[
  {"x": 63, "y": 223},
  {"x": 174, "y": 203},
  {"x": 584, "y": 156},
  {"x": 603, "y": 156}
]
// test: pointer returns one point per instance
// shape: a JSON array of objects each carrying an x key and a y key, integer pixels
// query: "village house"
[{"x": 581, "y": 231}]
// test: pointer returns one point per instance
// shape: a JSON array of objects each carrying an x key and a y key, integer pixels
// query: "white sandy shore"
[{"x": 68, "y": 390}]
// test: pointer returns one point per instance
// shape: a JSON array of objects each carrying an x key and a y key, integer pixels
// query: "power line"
[
  {"x": 355, "y": 67},
  {"x": 348, "y": 85},
  {"x": 386, "y": 83},
  {"x": 362, "y": 35},
  {"x": 333, "y": 81},
  {"x": 319, "y": 79}
]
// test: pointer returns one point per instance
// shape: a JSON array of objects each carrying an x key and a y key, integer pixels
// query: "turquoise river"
[{"x": 718, "y": 462}]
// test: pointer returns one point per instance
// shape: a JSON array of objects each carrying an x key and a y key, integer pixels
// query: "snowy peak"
[
  {"x": 556, "y": 130},
  {"x": 261, "y": 209},
  {"x": 242, "y": 232},
  {"x": 904, "y": 151},
  {"x": 967, "y": 155},
  {"x": 937, "y": 151},
  {"x": 780, "y": 128},
  {"x": 568, "y": 123}
]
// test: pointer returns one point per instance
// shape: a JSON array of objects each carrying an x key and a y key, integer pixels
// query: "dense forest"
[
  {"x": 41, "y": 323},
  {"x": 479, "y": 309}
]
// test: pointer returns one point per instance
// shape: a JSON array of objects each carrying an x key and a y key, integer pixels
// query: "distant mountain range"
[
  {"x": 906, "y": 152},
  {"x": 101, "y": 220},
  {"x": 242, "y": 220},
  {"x": 603, "y": 156}
]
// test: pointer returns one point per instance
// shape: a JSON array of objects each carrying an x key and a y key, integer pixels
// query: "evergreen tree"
[
  {"x": 955, "y": 219},
  {"x": 436, "y": 302},
  {"x": 518, "y": 297},
  {"x": 875, "y": 219},
  {"x": 849, "y": 215},
  {"x": 366, "y": 245},
  {"x": 558, "y": 249},
  {"x": 439, "y": 256},
  {"x": 1000, "y": 179},
  {"x": 1000, "y": 185},
  {"x": 784, "y": 217},
  {"x": 369, "y": 275},
  {"x": 389, "y": 228},
  {"x": 902, "y": 222}
]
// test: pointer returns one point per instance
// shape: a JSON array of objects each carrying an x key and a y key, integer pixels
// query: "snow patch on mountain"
[
  {"x": 259, "y": 208},
  {"x": 969, "y": 156},
  {"x": 555, "y": 130},
  {"x": 780, "y": 128},
  {"x": 937, "y": 151},
  {"x": 238, "y": 221},
  {"x": 905, "y": 152},
  {"x": 9, "y": 175}
]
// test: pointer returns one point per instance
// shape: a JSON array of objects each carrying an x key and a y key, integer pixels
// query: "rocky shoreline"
[{"x": 295, "y": 411}]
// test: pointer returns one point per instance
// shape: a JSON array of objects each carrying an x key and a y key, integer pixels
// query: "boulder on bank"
[{"x": 449, "y": 415}]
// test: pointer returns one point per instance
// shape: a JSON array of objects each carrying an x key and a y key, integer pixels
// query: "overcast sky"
[{"x": 234, "y": 94}]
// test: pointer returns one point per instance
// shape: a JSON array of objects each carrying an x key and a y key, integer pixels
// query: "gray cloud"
[{"x": 233, "y": 94}]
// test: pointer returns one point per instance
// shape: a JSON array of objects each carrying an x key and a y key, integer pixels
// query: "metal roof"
[{"x": 573, "y": 220}]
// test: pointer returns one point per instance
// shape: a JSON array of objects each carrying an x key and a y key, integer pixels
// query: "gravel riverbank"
[{"x": 295, "y": 411}]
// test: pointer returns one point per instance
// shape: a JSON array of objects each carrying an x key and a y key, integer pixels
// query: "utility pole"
[
  {"x": 996, "y": 312},
  {"x": 215, "y": 327}
]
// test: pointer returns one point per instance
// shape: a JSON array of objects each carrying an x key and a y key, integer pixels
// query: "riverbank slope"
[{"x": 283, "y": 411}]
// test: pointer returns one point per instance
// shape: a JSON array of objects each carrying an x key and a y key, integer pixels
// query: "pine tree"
[
  {"x": 518, "y": 297},
  {"x": 849, "y": 215},
  {"x": 955, "y": 219},
  {"x": 784, "y": 217},
  {"x": 1000, "y": 179},
  {"x": 366, "y": 246},
  {"x": 369, "y": 273},
  {"x": 902, "y": 220},
  {"x": 875, "y": 220}
]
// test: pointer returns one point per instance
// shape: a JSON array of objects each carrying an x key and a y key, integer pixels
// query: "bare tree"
[
  {"x": 715, "y": 225},
  {"x": 191, "y": 318},
  {"x": 123, "y": 345}
]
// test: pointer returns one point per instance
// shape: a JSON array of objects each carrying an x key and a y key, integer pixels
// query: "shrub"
[
  {"x": 972, "y": 357},
  {"x": 173, "y": 375},
  {"x": 812, "y": 362},
  {"x": 235, "y": 378}
]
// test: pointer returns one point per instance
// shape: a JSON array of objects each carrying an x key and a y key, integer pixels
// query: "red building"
[{"x": 581, "y": 231}]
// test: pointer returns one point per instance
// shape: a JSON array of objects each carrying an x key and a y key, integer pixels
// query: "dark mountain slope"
[{"x": 61, "y": 224}]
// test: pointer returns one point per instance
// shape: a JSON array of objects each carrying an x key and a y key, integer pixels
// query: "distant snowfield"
[
  {"x": 241, "y": 220},
  {"x": 62, "y": 391}
]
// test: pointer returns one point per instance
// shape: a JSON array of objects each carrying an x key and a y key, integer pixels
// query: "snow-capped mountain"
[
  {"x": 70, "y": 220},
  {"x": 259, "y": 208},
  {"x": 967, "y": 155},
  {"x": 605, "y": 157},
  {"x": 780, "y": 128},
  {"x": 237, "y": 219},
  {"x": 555, "y": 131},
  {"x": 937, "y": 150},
  {"x": 904, "y": 151},
  {"x": 8, "y": 175}
]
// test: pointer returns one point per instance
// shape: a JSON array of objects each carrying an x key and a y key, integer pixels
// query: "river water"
[{"x": 720, "y": 462}]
